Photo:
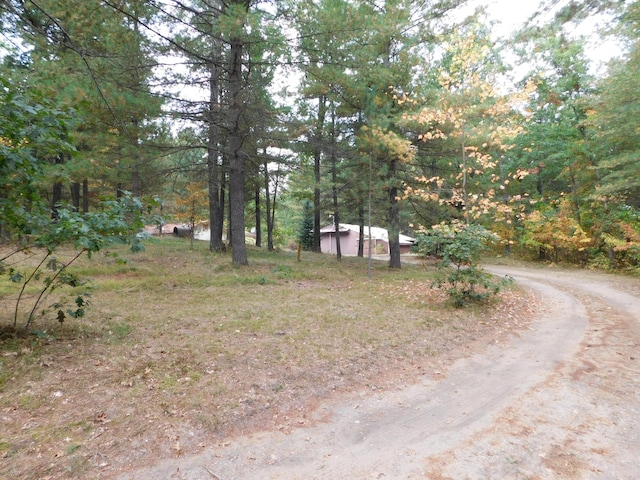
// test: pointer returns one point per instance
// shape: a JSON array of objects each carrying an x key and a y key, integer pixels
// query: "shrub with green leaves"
[
  {"x": 31, "y": 132},
  {"x": 459, "y": 247}
]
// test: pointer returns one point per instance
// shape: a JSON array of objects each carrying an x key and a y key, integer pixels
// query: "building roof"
[{"x": 377, "y": 233}]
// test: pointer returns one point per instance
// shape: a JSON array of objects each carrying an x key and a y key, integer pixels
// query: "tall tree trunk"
[
  {"x": 336, "y": 226},
  {"x": 236, "y": 161},
  {"x": 215, "y": 209},
  {"x": 258, "y": 215},
  {"x": 273, "y": 215},
  {"x": 361, "y": 230},
  {"x": 334, "y": 186},
  {"x": 56, "y": 198},
  {"x": 222, "y": 207},
  {"x": 56, "y": 191},
  {"x": 574, "y": 195},
  {"x": 317, "y": 159},
  {"x": 75, "y": 196},
  {"x": 4, "y": 234},
  {"x": 216, "y": 191},
  {"x": 394, "y": 218},
  {"x": 267, "y": 199},
  {"x": 229, "y": 231},
  {"x": 392, "y": 166},
  {"x": 85, "y": 196}
]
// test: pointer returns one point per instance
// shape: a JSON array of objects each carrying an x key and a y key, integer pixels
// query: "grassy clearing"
[{"x": 180, "y": 350}]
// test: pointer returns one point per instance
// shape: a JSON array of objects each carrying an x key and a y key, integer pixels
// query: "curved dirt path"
[{"x": 562, "y": 400}]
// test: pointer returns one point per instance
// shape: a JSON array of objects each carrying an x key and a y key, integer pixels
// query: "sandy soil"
[{"x": 559, "y": 401}]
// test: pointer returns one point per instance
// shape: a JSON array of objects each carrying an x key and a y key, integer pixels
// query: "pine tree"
[{"x": 305, "y": 231}]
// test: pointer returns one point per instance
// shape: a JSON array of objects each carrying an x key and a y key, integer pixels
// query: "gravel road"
[{"x": 559, "y": 401}]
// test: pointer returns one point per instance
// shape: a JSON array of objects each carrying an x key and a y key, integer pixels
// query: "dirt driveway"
[{"x": 559, "y": 401}]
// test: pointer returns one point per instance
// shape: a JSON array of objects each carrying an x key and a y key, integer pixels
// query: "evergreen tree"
[
  {"x": 84, "y": 57},
  {"x": 305, "y": 232}
]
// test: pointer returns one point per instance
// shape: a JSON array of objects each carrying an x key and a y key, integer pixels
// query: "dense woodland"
[{"x": 273, "y": 114}]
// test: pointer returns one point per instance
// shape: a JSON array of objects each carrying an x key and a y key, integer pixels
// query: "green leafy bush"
[
  {"x": 34, "y": 264},
  {"x": 459, "y": 246}
]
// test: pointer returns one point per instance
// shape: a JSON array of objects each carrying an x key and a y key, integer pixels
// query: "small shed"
[{"x": 350, "y": 239}]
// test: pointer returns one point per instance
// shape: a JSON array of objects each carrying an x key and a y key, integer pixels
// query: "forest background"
[{"x": 396, "y": 113}]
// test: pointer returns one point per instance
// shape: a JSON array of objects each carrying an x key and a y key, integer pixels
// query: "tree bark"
[
  {"x": 85, "y": 196},
  {"x": 273, "y": 216},
  {"x": 258, "y": 215},
  {"x": 361, "y": 230},
  {"x": 223, "y": 200},
  {"x": 336, "y": 224},
  {"x": 75, "y": 196},
  {"x": 216, "y": 191},
  {"x": 317, "y": 159},
  {"x": 574, "y": 195},
  {"x": 334, "y": 187},
  {"x": 394, "y": 219},
  {"x": 56, "y": 191},
  {"x": 268, "y": 207},
  {"x": 236, "y": 161}
]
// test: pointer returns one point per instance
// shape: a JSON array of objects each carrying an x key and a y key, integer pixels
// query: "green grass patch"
[{"x": 117, "y": 331}]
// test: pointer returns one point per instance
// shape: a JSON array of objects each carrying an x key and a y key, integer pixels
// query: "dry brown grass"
[{"x": 180, "y": 350}]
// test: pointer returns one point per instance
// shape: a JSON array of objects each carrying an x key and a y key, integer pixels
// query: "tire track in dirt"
[
  {"x": 545, "y": 405},
  {"x": 583, "y": 422}
]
